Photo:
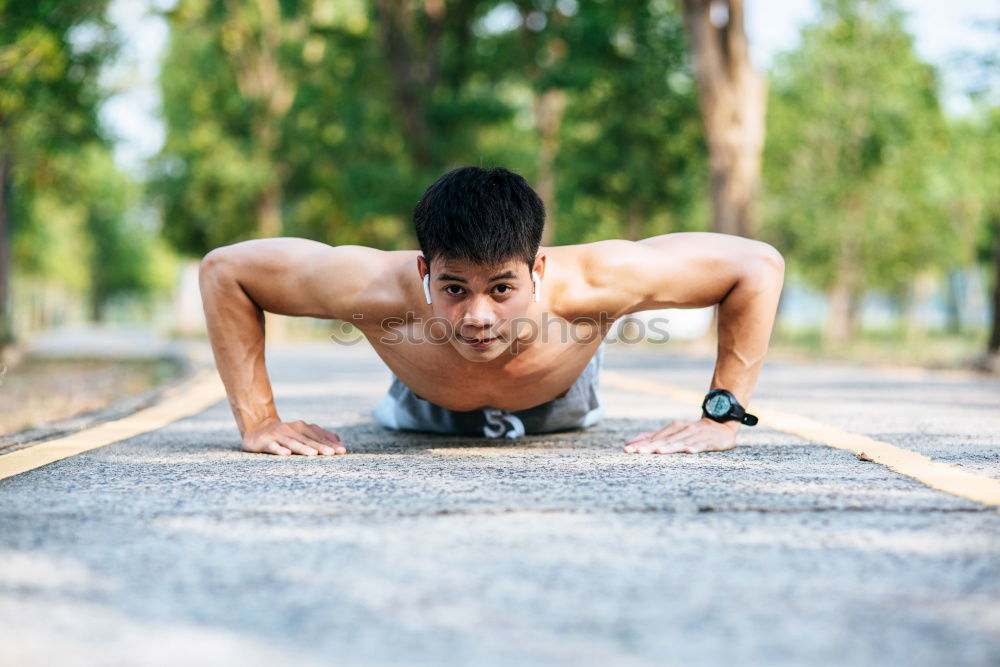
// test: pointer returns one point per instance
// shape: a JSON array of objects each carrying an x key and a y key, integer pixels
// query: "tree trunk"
[
  {"x": 6, "y": 234},
  {"x": 920, "y": 293},
  {"x": 256, "y": 59},
  {"x": 843, "y": 303},
  {"x": 98, "y": 303},
  {"x": 414, "y": 74},
  {"x": 269, "y": 211},
  {"x": 733, "y": 99},
  {"x": 634, "y": 217},
  {"x": 549, "y": 108},
  {"x": 993, "y": 346},
  {"x": 955, "y": 300}
]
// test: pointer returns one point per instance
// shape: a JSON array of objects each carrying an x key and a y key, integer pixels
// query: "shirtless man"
[{"x": 486, "y": 331}]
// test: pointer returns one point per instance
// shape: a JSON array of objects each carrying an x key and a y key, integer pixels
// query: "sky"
[{"x": 942, "y": 28}]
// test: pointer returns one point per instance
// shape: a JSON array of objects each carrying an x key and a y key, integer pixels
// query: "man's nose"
[{"x": 480, "y": 312}]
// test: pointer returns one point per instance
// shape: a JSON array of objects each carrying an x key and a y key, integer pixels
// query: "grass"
[{"x": 933, "y": 349}]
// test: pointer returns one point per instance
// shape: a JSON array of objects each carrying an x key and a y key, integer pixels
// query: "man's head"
[
  {"x": 483, "y": 216},
  {"x": 479, "y": 231}
]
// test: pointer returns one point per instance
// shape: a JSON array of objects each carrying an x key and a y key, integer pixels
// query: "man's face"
[{"x": 482, "y": 305}]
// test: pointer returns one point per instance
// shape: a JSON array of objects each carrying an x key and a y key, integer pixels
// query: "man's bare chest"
[{"x": 540, "y": 372}]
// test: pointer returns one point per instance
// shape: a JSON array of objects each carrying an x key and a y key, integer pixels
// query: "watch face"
[{"x": 718, "y": 405}]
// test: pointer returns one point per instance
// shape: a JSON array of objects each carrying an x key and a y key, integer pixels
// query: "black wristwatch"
[{"x": 721, "y": 406}]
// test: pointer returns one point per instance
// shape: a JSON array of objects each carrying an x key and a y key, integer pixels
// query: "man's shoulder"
[
  {"x": 587, "y": 257},
  {"x": 604, "y": 249},
  {"x": 585, "y": 277},
  {"x": 385, "y": 281},
  {"x": 595, "y": 264}
]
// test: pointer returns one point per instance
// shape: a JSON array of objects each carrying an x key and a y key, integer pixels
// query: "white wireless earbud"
[
  {"x": 427, "y": 287},
  {"x": 537, "y": 283}
]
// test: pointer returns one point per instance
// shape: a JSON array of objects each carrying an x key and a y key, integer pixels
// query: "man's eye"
[
  {"x": 506, "y": 288},
  {"x": 449, "y": 287}
]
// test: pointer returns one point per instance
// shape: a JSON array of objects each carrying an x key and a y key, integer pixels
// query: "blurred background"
[{"x": 859, "y": 137}]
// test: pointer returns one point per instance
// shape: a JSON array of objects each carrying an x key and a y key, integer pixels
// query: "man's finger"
[
  {"x": 328, "y": 434},
  {"x": 679, "y": 441},
  {"x": 297, "y": 447},
  {"x": 310, "y": 442},
  {"x": 668, "y": 447},
  {"x": 318, "y": 445},
  {"x": 275, "y": 448},
  {"x": 686, "y": 434},
  {"x": 654, "y": 446},
  {"x": 317, "y": 432},
  {"x": 325, "y": 437},
  {"x": 646, "y": 446},
  {"x": 706, "y": 446},
  {"x": 321, "y": 447},
  {"x": 679, "y": 438},
  {"x": 670, "y": 429},
  {"x": 641, "y": 436}
]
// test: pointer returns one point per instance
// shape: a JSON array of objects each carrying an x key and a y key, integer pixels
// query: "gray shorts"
[{"x": 581, "y": 407}]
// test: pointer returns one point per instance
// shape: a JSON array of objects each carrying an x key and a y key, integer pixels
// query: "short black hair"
[{"x": 485, "y": 216}]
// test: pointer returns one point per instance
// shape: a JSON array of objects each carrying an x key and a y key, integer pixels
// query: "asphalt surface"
[{"x": 174, "y": 547}]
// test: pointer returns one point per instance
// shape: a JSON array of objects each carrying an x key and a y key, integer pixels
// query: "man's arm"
[
  {"x": 693, "y": 270},
  {"x": 287, "y": 276}
]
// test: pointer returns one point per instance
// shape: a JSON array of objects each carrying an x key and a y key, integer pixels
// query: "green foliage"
[
  {"x": 632, "y": 162},
  {"x": 853, "y": 118},
  {"x": 48, "y": 91},
  {"x": 120, "y": 260},
  {"x": 348, "y": 171},
  {"x": 969, "y": 180},
  {"x": 88, "y": 230},
  {"x": 206, "y": 118},
  {"x": 50, "y": 54},
  {"x": 212, "y": 172},
  {"x": 74, "y": 212}
]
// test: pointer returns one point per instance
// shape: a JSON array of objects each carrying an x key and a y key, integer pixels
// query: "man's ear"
[
  {"x": 539, "y": 265},
  {"x": 423, "y": 268}
]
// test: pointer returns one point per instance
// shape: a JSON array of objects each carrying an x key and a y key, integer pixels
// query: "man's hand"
[
  {"x": 704, "y": 435},
  {"x": 274, "y": 436}
]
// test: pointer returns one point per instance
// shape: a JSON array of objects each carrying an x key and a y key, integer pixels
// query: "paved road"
[{"x": 173, "y": 547}]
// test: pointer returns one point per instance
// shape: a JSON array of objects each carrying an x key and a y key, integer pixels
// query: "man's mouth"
[{"x": 478, "y": 341}]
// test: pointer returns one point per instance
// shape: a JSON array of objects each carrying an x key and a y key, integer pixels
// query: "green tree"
[
  {"x": 227, "y": 94},
  {"x": 88, "y": 231},
  {"x": 632, "y": 162},
  {"x": 853, "y": 118},
  {"x": 975, "y": 172},
  {"x": 125, "y": 253},
  {"x": 342, "y": 149},
  {"x": 50, "y": 55},
  {"x": 388, "y": 95},
  {"x": 974, "y": 200},
  {"x": 613, "y": 140}
]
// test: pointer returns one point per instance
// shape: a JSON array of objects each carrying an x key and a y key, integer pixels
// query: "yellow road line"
[
  {"x": 191, "y": 397},
  {"x": 941, "y": 476}
]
